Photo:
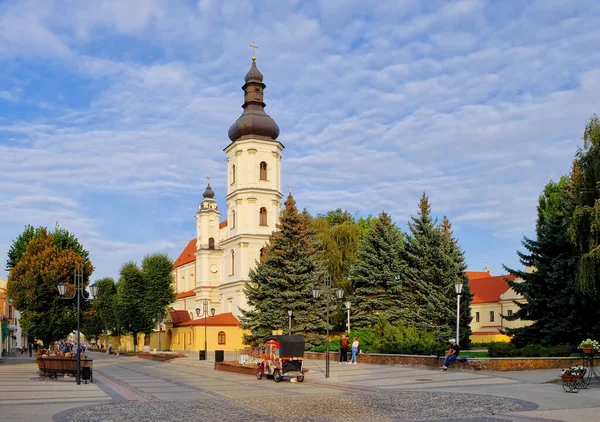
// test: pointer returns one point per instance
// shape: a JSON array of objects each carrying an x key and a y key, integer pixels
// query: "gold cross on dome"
[
  {"x": 208, "y": 178},
  {"x": 290, "y": 186},
  {"x": 253, "y": 46}
]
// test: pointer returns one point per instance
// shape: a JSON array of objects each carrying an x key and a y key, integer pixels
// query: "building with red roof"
[{"x": 492, "y": 299}]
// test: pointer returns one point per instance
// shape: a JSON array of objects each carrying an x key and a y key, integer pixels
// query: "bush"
[
  {"x": 400, "y": 339},
  {"x": 480, "y": 345},
  {"x": 500, "y": 349},
  {"x": 560, "y": 350},
  {"x": 365, "y": 339},
  {"x": 534, "y": 350}
]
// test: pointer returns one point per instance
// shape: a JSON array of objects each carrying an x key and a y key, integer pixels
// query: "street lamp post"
[
  {"x": 347, "y": 303},
  {"x": 327, "y": 296},
  {"x": 204, "y": 310},
  {"x": 290, "y": 315},
  {"x": 458, "y": 287},
  {"x": 78, "y": 291}
]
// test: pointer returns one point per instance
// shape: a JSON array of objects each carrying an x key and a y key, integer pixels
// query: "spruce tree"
[
  {"x": 432, "y": 275},
  {"x": 282, "y": 280},
  {"x": 458, "y": 275},
  {"x": 377, "y": 275},
  {"x": 559, "y": 312}
]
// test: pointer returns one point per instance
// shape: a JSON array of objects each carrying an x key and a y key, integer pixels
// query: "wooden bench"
[{"x": 51, "y": 367}]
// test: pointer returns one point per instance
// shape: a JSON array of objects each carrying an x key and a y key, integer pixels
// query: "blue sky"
[{"x": 113, "y": 112}]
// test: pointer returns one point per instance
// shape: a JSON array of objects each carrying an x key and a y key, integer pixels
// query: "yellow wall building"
[
  {"x": 492, "y": 298},
  {"x": 181, "y": 333}
]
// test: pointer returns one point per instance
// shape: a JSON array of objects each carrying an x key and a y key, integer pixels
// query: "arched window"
[
  {"x": 262, "y": 252},
  {"x": 211, "y": 243},
  {"x": 233, "y": 219},
  {"x": 263, "y": 170},
  {"x": 263, "y": 216},
  {"x": 221, "y": 337},
  {"x": 232, "y": 262},
  {"x": 233, "y": 174}
]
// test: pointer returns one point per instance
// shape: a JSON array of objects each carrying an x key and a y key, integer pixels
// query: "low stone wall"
[
  {"x": 489, "y": 364},
  {"x": 157, "y": 357},
  {"x": 235, "y": 368}
]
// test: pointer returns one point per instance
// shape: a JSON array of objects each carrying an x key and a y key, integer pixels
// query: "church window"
[
  {"x": 232, "y": 262},
  {"x": 262, "y": 252},
  {"x": 263, "y": 216},
  {"x": 263, "y": 170},
  {"x": 233, "y": 174},
  {"x": 476, "y": 316},
  {"x": 211, "y": 243},
  {"x": 509, "y": 312},
  {"x": 233, "y": 219},
  {"x": 491, "y": 316},
  {"x": 221, "y": 337}
]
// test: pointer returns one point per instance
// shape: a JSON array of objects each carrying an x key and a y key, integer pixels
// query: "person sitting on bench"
[{"x": 451, "y": 355}]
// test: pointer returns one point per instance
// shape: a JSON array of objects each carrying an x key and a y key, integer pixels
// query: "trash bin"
[
  {"x": 202, "y": 355},
  {"x": 219, "y": 355}
]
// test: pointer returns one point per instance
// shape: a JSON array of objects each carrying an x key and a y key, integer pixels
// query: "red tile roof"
[
  {"x": 217, "y": 320},
  {"x": 474, "y": 275},
  {"x": 223, "y": 224},
  {"x": 187, "y": 255},
  {"x": 179, "y": 317},
  {"x": 185, "y": 294},
  {"x": 489, "y": 289}
]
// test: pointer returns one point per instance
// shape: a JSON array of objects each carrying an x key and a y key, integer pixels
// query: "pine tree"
[
  {"x": 458, "y": 275},
  {"x": 282, "y": 281},
  {"x": 432, "y": 275},
  {"x": 376, "y": 275},
  {"x": 560, "y": 313}
]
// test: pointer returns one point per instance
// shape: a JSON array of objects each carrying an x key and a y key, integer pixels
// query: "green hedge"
[{"x": 502, "y": 349}]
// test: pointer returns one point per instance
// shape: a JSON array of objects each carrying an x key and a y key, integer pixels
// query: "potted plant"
[
  {"x": 589, "y": 346},
  {"x": 572, "y": 374}
]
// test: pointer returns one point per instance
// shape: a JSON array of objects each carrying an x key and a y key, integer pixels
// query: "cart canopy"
[{"x": 290, "y": 346}]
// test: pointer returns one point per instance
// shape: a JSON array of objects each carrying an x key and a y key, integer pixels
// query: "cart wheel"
[
  {"x": 300, "y": 378},
  {"x": 277, "y": 375},
  {"x": 258, "y": 374}
]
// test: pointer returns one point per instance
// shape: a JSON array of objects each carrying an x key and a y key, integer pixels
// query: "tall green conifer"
[
  {"x": 377, "y": 275},
  {"x": 457, "y": 275},
  {"x": 559, "y": 313},
  {"x": 283, "y": 279},
  {"x": 432, "y": 274}
]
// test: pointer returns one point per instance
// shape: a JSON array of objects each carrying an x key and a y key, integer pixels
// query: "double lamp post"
[
  {"x": 204, "y": 311},
  {"x": 328, "y": 295},
  {"x": 79, "y": 292}
]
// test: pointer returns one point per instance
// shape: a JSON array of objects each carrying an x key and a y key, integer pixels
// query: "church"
[{"x": 213, "y": 267}]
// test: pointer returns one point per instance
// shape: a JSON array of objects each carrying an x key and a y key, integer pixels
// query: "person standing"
[
  {"x": 452, "y": 354},
  {"x": 344, "y": 343},
  {"x": 30, "y": 349},
  {"x": 355, "y": 345},
  {"x": 109, "y": 348}
]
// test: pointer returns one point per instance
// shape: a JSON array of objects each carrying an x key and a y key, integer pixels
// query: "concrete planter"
[
  {"x": 236, "y": 368},
  {"x": 488, "y": 364}
]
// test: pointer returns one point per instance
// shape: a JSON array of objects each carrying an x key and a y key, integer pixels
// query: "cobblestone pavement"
[{"x": 375, "y": 407}]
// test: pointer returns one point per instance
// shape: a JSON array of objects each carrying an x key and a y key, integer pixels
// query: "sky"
[{"x": 112, "y": 113}]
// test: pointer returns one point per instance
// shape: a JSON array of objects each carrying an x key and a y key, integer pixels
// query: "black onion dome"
[
  {"x": 208, "y": 193},
  {"x": 254, "y": 120}
]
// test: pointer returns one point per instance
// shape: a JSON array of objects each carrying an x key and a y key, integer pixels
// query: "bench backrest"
[{"x": 60, "y": 364}]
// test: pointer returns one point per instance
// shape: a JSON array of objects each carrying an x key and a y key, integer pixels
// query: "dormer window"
[{"x": 263, "y": 170}]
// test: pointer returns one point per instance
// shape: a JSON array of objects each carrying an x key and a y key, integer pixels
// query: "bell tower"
[{"x": 253, "y": 190}]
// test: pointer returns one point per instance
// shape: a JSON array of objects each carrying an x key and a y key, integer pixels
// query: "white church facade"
[{"x": 214, "y": 266}]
